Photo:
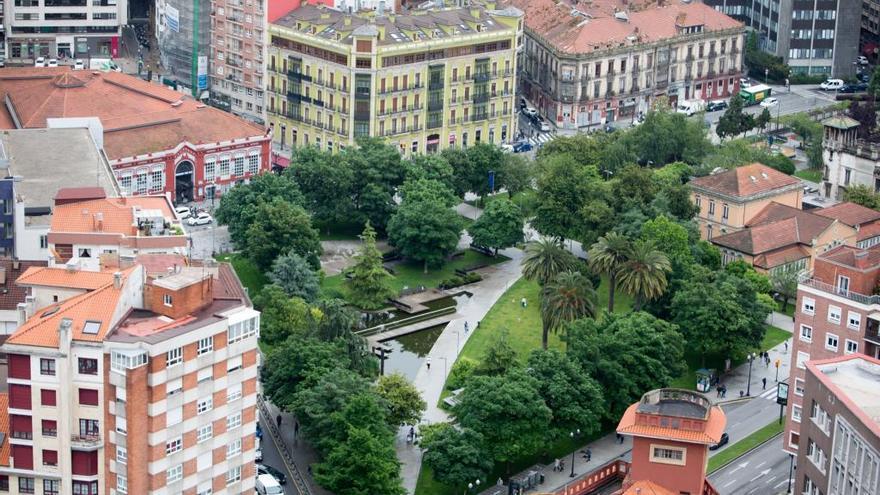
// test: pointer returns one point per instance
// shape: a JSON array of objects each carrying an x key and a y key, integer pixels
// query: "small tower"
[{"x": 672, "y": 430}]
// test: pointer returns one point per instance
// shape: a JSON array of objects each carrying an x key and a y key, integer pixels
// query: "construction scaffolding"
[{"x": 183, "y": 34}]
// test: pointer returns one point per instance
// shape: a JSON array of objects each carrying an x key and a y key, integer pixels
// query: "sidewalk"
[
  {"x": 738, "y": 379},
  {"x": 302, "y": 453}
]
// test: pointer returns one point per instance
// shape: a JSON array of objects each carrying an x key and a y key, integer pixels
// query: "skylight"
[{"x": 92, "y": 327}]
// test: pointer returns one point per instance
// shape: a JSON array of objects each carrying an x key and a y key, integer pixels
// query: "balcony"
[
  {"x": 401, "y": 89},
  {"x": 808, "y": 280},
  {"x": 435, "y": 84},
  {"x": 86, "y": 442},
  {"x": 401, "y": 130},
  {"x": 298, "y": 76},
  {"x": 435, "y": 105},
  {"x": 297, "y": 98},
  {"x": 361, "y": 115},
  {"x": 483, "y": 76},
  {"x": 402, "y": 109},
  {"x": 482, "y": 97}
]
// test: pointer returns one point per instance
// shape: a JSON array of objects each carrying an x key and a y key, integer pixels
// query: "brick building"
[
  {"x": 155, "y": 139},
  {"x": 170, "y": 347},
  {"x": 841, "y": 429}
]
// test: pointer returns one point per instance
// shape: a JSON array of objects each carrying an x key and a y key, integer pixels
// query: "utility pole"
[{"x": 381, "y": 352}]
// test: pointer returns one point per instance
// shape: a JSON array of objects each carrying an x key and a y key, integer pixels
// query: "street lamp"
[
  {"x": 572, "y": 434},
  {"x": 766, "y": 74},
  {"x": 790, "y": 470},
  {"x": 475, "y": 484},
  {"x": 751, "y": 357}
]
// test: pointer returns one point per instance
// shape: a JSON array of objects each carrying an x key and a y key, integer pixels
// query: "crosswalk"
[
  {"x": 770, "y": 393},
  {"x": 541, "y": 138}
]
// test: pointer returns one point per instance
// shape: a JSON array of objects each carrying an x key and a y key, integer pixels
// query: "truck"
[
  {"x": 105, "y": 64},
  {"x": 754, "y": 94},
  {"x": 690, "y": 107}
]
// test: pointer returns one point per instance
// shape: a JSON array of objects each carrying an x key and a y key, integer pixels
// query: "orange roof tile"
[
  {"x": 4, "y": 428},
  {"x": 710, "y": 435},
  {"x": 745, "y": 181},
  {"x": 99, "y": 306},
  {"x": 776, "y": 226},
  {"x": 850, "y": 213},
  {"x": 62, "y": 277},
  {"x": 647, "y": 487},
  {"x": 118, "y": 214},
  {"x": 869, "y": 231},
  {"x": 138, "y": 117},
  {"x": 780, "y": 257},
  {"x": 646, "y": 22}
]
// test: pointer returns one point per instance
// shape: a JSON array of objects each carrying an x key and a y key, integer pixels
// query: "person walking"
[
  {"x": 428, "y": 363},
  {"x": 556, "y": 464},
  {"x": 466, "y": 327},
  {"x": 588, "y": 454},
  {"x": 764, "y": 383},
  {"x": 278, "y": 420},
  {"x": 295, "y": 429},
  {"x": 786, "y": 346},
  {"x": 523, "y": 302}
]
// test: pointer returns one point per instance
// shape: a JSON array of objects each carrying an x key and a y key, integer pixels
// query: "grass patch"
[
  {"x": 789, "y": 309},
  {"x": 410, "y": 274},
  {"x": 810, "y": 175},
  {"x": 736, "y": 450},
  {"x": 251, "y": 276},
  {"x": 340, "y": 232},
  {"x": 773, "y": 337}
]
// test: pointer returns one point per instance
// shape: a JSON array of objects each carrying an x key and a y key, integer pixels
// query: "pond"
[{"x": 409, "y": 351}]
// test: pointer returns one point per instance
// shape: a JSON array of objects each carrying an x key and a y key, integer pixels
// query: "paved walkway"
[{"x": 302, "y": 453}]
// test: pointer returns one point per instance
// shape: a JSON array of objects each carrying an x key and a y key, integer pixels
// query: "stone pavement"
[{"x": 302, "y": 453}]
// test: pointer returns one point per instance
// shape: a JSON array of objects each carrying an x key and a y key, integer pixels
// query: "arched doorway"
[{"x": 184, "y": 180}]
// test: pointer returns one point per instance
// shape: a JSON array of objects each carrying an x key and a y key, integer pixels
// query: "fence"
[
  {"x": 385, "y": 327},
  {"x": 298, "y": 482}
]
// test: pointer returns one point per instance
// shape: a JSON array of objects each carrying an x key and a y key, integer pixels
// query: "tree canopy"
[
  {"x": 295, "y": 275},
  {"x": 369, "y": 283},
  {"x": 425, "y": 228},
  {"x": 500, "y": 226},
  {"x": 238, "y": 206},
  {"x": 280, "y": 227}
]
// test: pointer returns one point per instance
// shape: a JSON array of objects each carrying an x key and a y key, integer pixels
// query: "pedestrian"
[
  {"x": 786, "y": 346},
  {"x": 718, "y": 391},
  {"x": 278, "y": 420},
  {"x": 589, "y": 454},
  {"x": 466, "y": 327},
  {"x": 428, "y": 362},
  {"x": 309, "y": 469},
  {"x": 556, "y": 464},
  {"x": 523, "y": 302},
  {"x": 764, "y": 383},
  {"x": 723, "y": 391}
]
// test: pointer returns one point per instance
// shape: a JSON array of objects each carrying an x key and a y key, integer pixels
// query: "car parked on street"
[
  {"x": 716, "y": 105},
  {"x": 202, "y": 218},
  {"x": 182, "y": 212},
  {"x": 769, "y": 102},
  {"x": 268, "y": 485},
  {"x": 862, "y": 60},
  {"x": 40, "y": 62},
  {"x": 542, "y": 124},
  {"x": 266, "y": 469},
  {"x": 79, "y": 64},
  {"x": 854, "y": 88},
  {"x": 53, "y": 62},
  {"x": 725, "y": 438},
  {"x": 832, "y": 85}
]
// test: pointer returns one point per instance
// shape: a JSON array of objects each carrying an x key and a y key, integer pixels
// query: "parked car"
[
  {"x": 769, "y": 102},
  {"x": 522, "y": 103},
  {"x": 864, "y": 77},
  {"x": 182, "y": 212},
  {"x": 522, "y": 147},
  {"x": 267, "y": 485},
  {"x": 266, "y": 469},
  {"x": 40, "y": 62},
  {"x": 862, "y": 60},
  {"x": 744, "y": 83},
  {"x": 530, "y": 112},
  {"x": 832, "y": 85},
  {"x": 258, "y": 455},
  {"x": 854, "y": 88},
  {"x": 721, "y": 443},
  {"x": 53, "y": 62},
  {"x": 2, "y": 61},
  {"x": 716, "y": 105},
  {"x": 542, "y": 124},
  {"x": 79, "y": 64},
  {"x": 203, "y": 218}
]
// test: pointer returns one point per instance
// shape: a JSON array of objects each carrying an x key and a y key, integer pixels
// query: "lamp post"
[
  {"x": 444, "y": 365},
  {"x": 751, "y": 357},
  {"x": 572, "y": 434},
  {"x": 766, "y": 75},
  {"x": 474, "y": 484},
  {"x": 790, "y": 470}
]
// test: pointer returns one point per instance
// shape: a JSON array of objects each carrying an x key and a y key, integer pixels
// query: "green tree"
[
  {"x": 405, "y": 404},
  {"x": 516, "y": 174},
  {"x": 422, "y": 190},
  {"x": 861, "y": 194},
  {"x": 425, "y": 230},
  {"x": 238, "y": 206},
  {"x": 665, "y": 137},
  {"x": 627, "y": 354},
  {"x": 669, "y": 237},
  {"x": 567, "y": 297},
  {"x": 378, "y": 172},
  {"x": 572, "y": 200},
  {"x": 607, "y": 256},
  {"x": 734, "y": 121},
  {"x": 545, "y": 258},
  {"x": 317, "y": 407},
  {"x": 500, "y": 226},
  {"x": 785, "y": 284},
  {"x": 363, "y": 465},
  {"x": 507, "y": 411},
  {"x": 586, "y": 149},
  {"x": 279, "y": 227},
  {"x": 462, "y": 169},
  {"x": 369, "y": 284},
  {"x": 874, "y": 83},
  {"x": 293, "y": 273},
  {"x": 763, "y": 119},
  {"x": 572, "y": 395},
  {"x": 336, "y": 320},
  {"x": 457, "y": 456},
  {"x": 431, "y": 167},
  {"x": 675, "y": 200},
  {"x": 295, "y": 364},
  {"x": 500, "y": 356},
  {"x": 634, "y": 186},
  {"x": 484, "y": 158},
  {"x": 282, "y": 316},
  {"x": 326, "y": 182},
  {"x": 643, "y": 276}
]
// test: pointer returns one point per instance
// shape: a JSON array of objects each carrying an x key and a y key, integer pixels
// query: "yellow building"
[{"x": 424, "y": 80}]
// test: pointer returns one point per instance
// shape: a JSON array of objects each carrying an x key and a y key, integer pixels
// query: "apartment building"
[
  {"x": 64, "y": 28},
  {"x": 871, "y": 21},
  {"x": 727, "y": 200},
  {"x": 134, "y": 379},
  {"x": 836, "y": 315},
  {"x": 841, "y": 429},
  {"x": 237, "y": 57},
  {"x": 849, "y": 160},
  {"x": 423, "y": 80},
  {"x": 865, "y": 221},
  {"x": 588, "y": 63},
  {"x": 817, "y": 38}
]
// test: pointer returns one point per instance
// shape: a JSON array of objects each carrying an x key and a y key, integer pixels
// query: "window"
[
  {"x": 121, "y": 455},
  {"x": 834, "y": 314},
  {"x": 50, "y": 457},
  {"x": 854, "y": 320},
  {"x": 173, "y": 357},
  {"x": 142, "y": 181},
  {"x": 210, "y": 169},
  {"x": 204, "y": 433},
  {"x": 239, "y": 166},
  {"x": 799, "y": 387},
  {"x": 808, "y": 306},
  {"x": 47, "y": 397},
  {"x": 25, "y": 485},
  {"x": 157, "y": 180},
  {"x": 174, "y": 386},
  {"x": 254, "y": 164},
  {"x": 88, "y": 366},
  {"x": 842, "y": 285},
  {"x": 204, "y": 405},
  {"x": 173, "y": 445},
  {"x": 233, "y": 364},
  {"x": 725, "y": 211},
  {"x": 851, "y": 347},
  {"x": 802, "y": 358},
  {"x": 125, "y": 184},
  {"x": 711, "y": 207},
  {"x": 84, "y": 253},
  {"x": 51, "y": 487},
  {"x": 47, "y": 367},
  {"x": 224, "y": 166},
  {"x": 175, "y": 473},
  {"x": 89, "y": 428},
  {"x": 831, "y": 342},
  {"x": 44, "y": 242},
  {"x": 88, "y": 397},
  {"x": 233, "y": 475},
  {"x": 166, "y": 299},
  {"x": 121, "y": 484},
  {"x": 242, "y": 330},
  {"x": 85, "y": 487},
  {"x": 205, "y": 490},
  {"x": 667, "y": 455},
  {"x": 796, "y": 413},
  {"x": 233, "y": 448},
  {"x": 806, "y": 333},
  {"x": 233, "y": 392},
  {"x": 233, "y": 421},
  {"x": 206, "y": 345},
  {"x": 206, "y": 374},
  {"x": 173, "y": 416},
  {"x": 50, "y": 428}
]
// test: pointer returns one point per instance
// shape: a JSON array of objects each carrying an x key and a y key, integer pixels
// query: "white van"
[
  {"x": 690, "y": 107},
  {"x": 268, "y": 485}
]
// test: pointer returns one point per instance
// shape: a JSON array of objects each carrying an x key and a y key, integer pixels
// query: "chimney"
[
  {"x": 99, "y": 220},
  {"x": 30, "y": 305},
  {"x": 21, "y": 308},
  {"x": 117, "y": 280},
  {"x": 64, "y": 332}
]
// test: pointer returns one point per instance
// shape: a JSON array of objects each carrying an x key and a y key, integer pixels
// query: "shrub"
[
  {"x": 462, "y": 370},
  {"x": 458, "y": 281}
]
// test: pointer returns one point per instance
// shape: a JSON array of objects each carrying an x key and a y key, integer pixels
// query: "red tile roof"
[
  {"x": 776, "y": 226},
  {"x": 647, "y": 487},
  {"x": 11, "y": 293},
  {"x": 646, "y": 22},
  {"x": 710, "y": 435},
  {"x": 79, "y": 193},
  {"x": 118, "y": 214},
  {"x": 745, "y": 181},
  {"x": 780, "y": 257},
  {"x": 138, "y": 117},
  {"x": 850, "y": 213},
  {"x": 869, "y": 231},
  {"x": 62, "y": 277},
  {"x": 846, "y": 255}
]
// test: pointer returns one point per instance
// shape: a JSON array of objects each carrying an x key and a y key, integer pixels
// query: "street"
[
  {"x": 744, "y": 418},
  {"x": 761, "y": 472},
  {"x": 271, "y": 457}
]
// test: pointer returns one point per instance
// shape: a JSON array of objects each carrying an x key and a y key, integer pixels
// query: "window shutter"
[
  {"x": 88, "y": 397},
  {"x": 20, "y": 366},
  {"x": 21, "y": 426},
  {"x": 50, "y": 457},
  {"x": 23, "y": 456},
  {"x": 20, "y": 396},
  {"x": 47, "y": 397}
]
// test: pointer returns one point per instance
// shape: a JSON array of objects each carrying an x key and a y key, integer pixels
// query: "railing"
[
  {"x": 299, "y": 76},
  {"x": 85, "y": 441},
  {"x": 401, "y": 130},
  {"x": 808, "y": 280},
  {"x": 387, "y": 327},
  {"x": 610, "y": 472},
  {"x": 298, "y": 482},
  {"x": 402, "y": 109},
  {"x": 411, "y": 87}
]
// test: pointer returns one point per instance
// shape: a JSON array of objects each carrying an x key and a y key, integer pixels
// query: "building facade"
[
  {"x": 584, "y": 65},
  {"x": 64, "y": 28},
  {"x": 817, "y": 38},
  {"x": 848, "y": 159},
  {"x": 174, "y": 351},
  {"x": 237, "y": 64},
  {"x": 183, "y": 37},
  {"x": 424, "y": 81},
  {"x": 840, "y": 431}
]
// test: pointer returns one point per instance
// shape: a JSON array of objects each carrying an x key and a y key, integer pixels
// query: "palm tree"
[
  {"x": 567, "y": 297},
  {"x": 643, "y": 275},
  {"x": 606, "y": 256},
  {"x": 545, "y": 258}
]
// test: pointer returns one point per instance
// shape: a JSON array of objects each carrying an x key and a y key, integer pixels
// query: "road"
[
  {"x": 744, "y": 418},
  {"x": 761, "y": 472},
  {"x": 271, "y": 457}
]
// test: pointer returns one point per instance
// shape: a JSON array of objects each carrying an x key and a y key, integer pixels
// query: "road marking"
[
  {"x": 759, "y": 465},
  {"x": 740, "y": 466},
  {"x": 760, "y": 475},
  {"x": 779, "y": 485},
  {"x": 729, "y": 483},
  {"x": 771, "y": 480}
]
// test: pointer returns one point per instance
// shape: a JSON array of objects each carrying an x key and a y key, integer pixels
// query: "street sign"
[{"x": 782, "y": 394}]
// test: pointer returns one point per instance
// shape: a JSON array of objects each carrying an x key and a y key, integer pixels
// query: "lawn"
[
  {"x": 789, "y": 309},
  {"x": 810, "y": 175},
  {"x": 251, "y": 277},
  {"x": 410, "y": 274},
  {"x": 340, "y": 232},
  {"x": 739, "y": 448},
  {"x": 773, "y": 337}
]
